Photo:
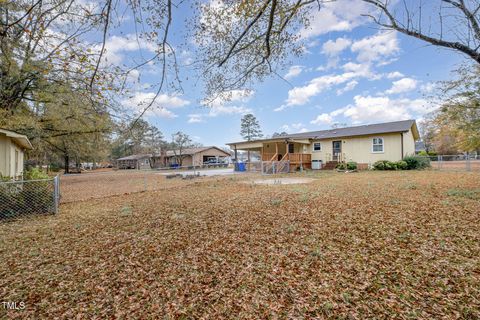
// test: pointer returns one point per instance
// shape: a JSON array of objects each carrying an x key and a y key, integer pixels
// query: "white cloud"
[
  {"x": 227, "y": 103},
  {"x": 368, "y": 109},
  {"x": 333, "y": 48},
  {"x": 428, "y": 87},
  {"x": 293, "y": 128},
  {"x": 116, "y": 46},
  {"x": 394, "y": 75},
  {"x": 195, "y": 118},
  {"x": 160, "y": 107},
  {"x": 374, "y": 48},
  {"x": 335, "y": 16},
  {"x": 349, "y": 87},
  {"x": 323, "y": 118},
  {"x": 293, "y": 72},
  {"x": 301, "y": 95},
  {"x": 402, "y": 85}
]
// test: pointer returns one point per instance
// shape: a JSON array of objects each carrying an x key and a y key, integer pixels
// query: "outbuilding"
[{"x": 12, "y": 149}]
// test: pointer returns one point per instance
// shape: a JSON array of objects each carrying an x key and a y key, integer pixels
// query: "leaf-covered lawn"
[{"x": 376, "y": 245}]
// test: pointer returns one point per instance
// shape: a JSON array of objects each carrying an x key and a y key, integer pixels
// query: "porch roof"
[{"x": 258, "y": 144}]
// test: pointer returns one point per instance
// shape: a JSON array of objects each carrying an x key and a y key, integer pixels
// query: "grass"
[{"x": 365, "y": 245}]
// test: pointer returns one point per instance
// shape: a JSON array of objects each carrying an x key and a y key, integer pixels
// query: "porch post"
[
  {"x": 235, "y": 164},
  {"x": 276, "y": 148}
]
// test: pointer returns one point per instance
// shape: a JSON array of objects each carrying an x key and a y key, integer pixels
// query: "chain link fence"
[
  {"x": 84, "y": 186},
  {"x": 28, "y": 197},
  {"x": 455, "y": 162}
]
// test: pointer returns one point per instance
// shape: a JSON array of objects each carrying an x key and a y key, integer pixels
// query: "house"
[
  {"x": 196, "y": 156},
  {"x": 135, "y": 161},
  {"x": 362, "y": 144},
  {"x": 12, "y": 149}
]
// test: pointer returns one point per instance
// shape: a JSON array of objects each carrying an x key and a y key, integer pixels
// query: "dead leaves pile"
[{"x": 371, "y": 245}]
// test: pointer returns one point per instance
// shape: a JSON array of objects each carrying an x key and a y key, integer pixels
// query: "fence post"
[
  {"x": 145, "y": 181},
  {"x": 56, "y": 191},
  {"x": 273, "y": 167},
  {"x": 440, "y": 158},
  {"x": 467, "y": 163}
]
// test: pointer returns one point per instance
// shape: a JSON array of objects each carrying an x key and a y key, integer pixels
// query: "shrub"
[
  {"x": 389, "y": 165},
  {"x": 341, "y": 166},
  {"x": 382, "y": 165},
  {"x": 402, "y": 165},
  {"x": 351, "y": 165},
  {"x": 416, "y": 162},
  {"x": 35, "y": 174},
  {"x": 54, "y": 167}
]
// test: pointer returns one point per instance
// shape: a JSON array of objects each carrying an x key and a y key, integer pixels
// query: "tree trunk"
[{"x": 67, "y": 163}]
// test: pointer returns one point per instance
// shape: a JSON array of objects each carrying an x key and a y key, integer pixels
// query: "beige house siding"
[
  {"x": 359, "y": 149},
  {"x": 408, "y": 143},
  {"x": 11, "y": 158}
]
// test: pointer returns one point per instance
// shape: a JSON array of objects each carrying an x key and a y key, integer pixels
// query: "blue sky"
[{"x": 351, "y": 73}]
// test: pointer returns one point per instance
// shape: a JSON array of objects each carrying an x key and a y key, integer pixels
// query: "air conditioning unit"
[{"x": 316, "y": 164}]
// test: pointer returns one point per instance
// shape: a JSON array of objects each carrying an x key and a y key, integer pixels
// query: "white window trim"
[
  {"x": 383, "y": 145},
  {"x": 313, "y": 147}
]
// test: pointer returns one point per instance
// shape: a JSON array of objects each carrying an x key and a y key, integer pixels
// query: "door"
[
  {"x": 336, "y": 150},
  {"x": 291, "y": 148}
]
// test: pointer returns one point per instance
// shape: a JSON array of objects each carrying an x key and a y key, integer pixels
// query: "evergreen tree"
[{"x": 250, "y": 128}]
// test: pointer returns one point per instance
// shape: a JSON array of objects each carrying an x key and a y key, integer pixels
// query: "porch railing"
[
  {"x": 292, "y": 157},
  {"x": 268, "y": 157}
]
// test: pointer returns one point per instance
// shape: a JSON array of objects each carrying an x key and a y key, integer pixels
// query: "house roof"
[
  {"x": 192, "y": 151},
  {"x": 135, "y": 157},
  {"x": 20, "y": 139},
  {"x": 378, "y": 128}
]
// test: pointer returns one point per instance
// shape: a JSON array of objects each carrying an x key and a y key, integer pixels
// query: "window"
[
  {"x": 377, "y": 145},
  {"x": 317, "y": 146}
]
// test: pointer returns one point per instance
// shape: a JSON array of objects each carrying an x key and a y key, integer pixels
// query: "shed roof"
[
  {"x": 20, "y": 139},
  {"x": 135, "y": 157},
  {"x": 192, "y": 151}
]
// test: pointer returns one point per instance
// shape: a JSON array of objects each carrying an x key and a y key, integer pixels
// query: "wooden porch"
[{"x": 296, "y": 160}]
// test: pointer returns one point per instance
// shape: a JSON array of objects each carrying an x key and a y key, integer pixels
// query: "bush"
[
  {"x": 408, "y": 163},
  {"x": 385, "y": 165},
  {"x": 35, "y": 174},
  {"x": 417, "y": 162},
  {"x": 341, "y": 166},
  {"x": 54, "y": 167},
  {"x": 352, "y": 165},
  {"x": 402, "y": 165}
]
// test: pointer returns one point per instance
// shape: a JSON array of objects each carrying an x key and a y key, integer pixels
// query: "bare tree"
[
  {"x": 180, "y": 142},
  {"x": 452, "y": 24},
  {"x": 243, "y": 41}
]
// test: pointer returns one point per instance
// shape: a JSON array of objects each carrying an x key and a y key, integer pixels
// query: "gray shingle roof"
[
  {"x": 136, "y": 157},
  {"x": 388, "y": 127},
  {"x": 190, "y": 151},
  {"x": 369, "y": 129}
]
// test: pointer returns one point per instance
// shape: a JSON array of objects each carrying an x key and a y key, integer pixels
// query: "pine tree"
[{"x": 250, "y": 128}]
